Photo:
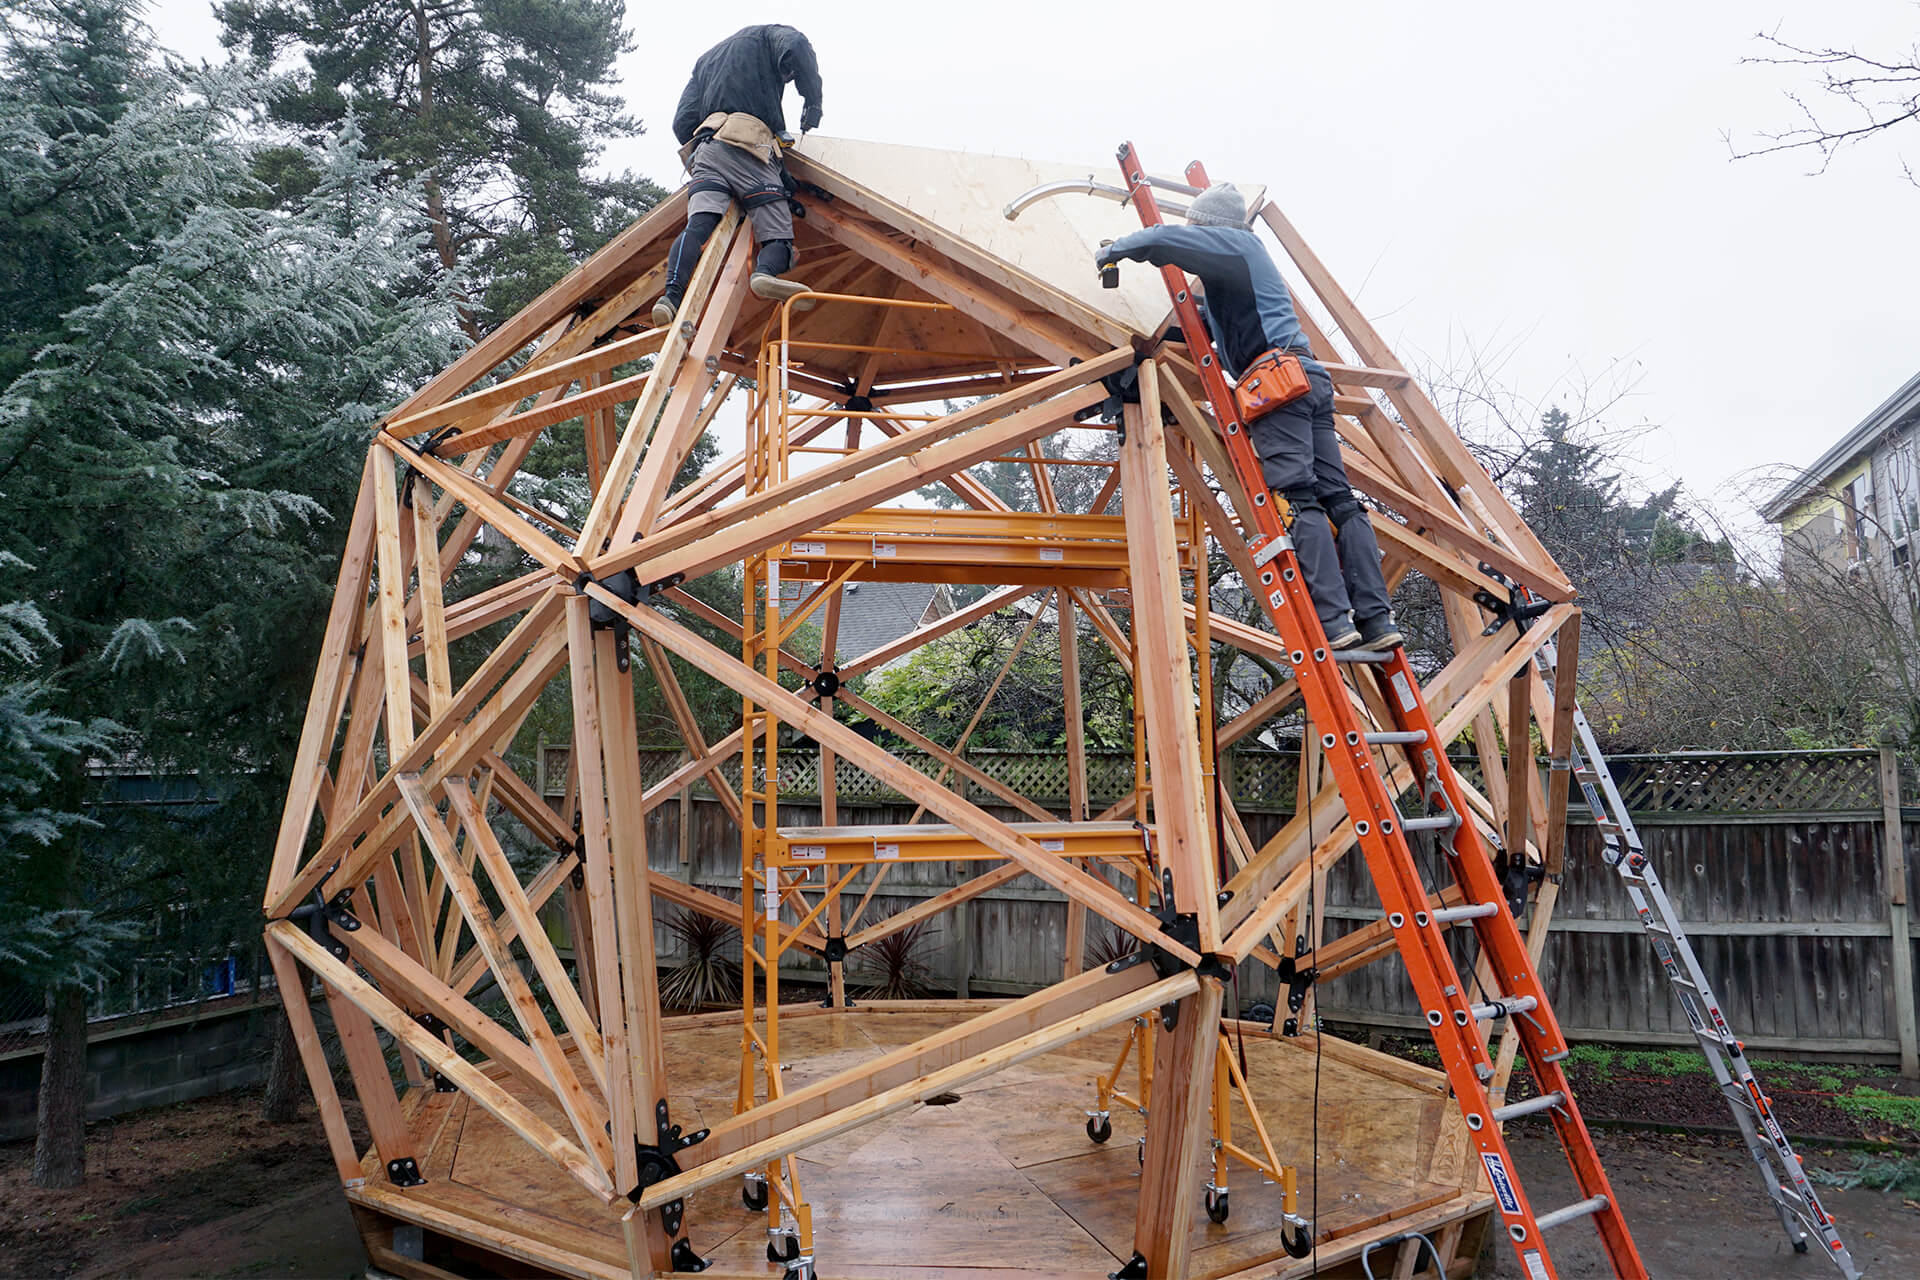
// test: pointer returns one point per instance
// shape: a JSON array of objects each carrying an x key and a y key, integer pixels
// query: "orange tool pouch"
[{"x": 1273, "y": 379}]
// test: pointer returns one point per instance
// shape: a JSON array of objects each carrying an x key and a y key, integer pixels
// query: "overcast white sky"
[{"x": 1545, "y": 182}]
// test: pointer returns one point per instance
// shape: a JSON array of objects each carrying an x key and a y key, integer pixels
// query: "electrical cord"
[
  {"x": 1313, "y": 901},
  {"x": 1366, "y": 1254}
]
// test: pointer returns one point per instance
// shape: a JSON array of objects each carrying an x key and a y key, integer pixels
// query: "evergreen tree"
[
  {"x": 496, "y": 109},
  {"x": 191, "y": 370}
]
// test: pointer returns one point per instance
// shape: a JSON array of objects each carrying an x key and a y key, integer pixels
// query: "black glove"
[{"x": 810, "y": 118}]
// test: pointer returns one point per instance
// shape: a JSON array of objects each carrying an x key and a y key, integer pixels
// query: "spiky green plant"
[
  {"x": 1108, "y": 946},
  {"x": 707, "y": 975},
  {"x": 894, "y": 967}
]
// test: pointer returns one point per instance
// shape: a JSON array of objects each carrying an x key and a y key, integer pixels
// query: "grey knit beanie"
[{"x": 1220, "y": 205}]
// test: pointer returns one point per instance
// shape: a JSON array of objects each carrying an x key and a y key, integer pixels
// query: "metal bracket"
[
  {"x": 1136, "y": 1269},
  {"x": 825, "y": 683},
  {"x": 1181, "y": 928},
  {"x": 626, "y": 585},
  {"x": 316, "y": 917},
  {"x": 429, "y": 446},
  {"x": 660, "y": 1161},
  {"x": 436, "y": 1028},
  {"x": 684, "y": 1258},
  {"x": 1270, "y": 549},
  {"x": 1517, "y": 608},
  {"x": 1298, "y": 979},
  {"x": 405, "y": 1172},
  {"x": 1516, "y": 876},
  {"x": 574, "y": 850},
  {"x": 435, "y": 439}
]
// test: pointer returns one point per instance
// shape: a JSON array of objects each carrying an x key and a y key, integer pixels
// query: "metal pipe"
[{"x": 1119, "y": 195}]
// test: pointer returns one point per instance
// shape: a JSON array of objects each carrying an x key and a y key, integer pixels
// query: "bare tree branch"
[{"x": 1868, "y": 96}]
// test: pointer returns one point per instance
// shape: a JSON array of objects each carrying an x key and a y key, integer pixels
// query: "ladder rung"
[
  {"x": 1396, "y": 737},
  {"x": 1377, "y": 657},
  {"x": 1501, "y": 1008},
  {"x": 1514, "y": 1111},
  {"x": 1725, "y": 1043},
  {"x": 1439, "y": 822},
  {"x": 1447, "y": 915},
  {"x": 1579, "y": 1209}
]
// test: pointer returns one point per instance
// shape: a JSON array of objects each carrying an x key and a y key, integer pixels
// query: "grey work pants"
[{"x": 1300, "y": 460}]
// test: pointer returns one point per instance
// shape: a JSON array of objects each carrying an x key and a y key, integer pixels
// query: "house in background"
[
  {"x": 1858, "y": 505},
  {"x": 876, "y": 613}
]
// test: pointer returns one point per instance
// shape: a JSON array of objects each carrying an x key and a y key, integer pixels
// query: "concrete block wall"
[{"x": 215, "y": 1047}]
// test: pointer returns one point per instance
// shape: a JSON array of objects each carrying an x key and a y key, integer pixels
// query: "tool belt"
[
  {"x": 737, "y": 129},
  {"x": 1275, "y": 378}
]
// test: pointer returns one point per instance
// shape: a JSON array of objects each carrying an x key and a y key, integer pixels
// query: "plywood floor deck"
[{"x": 1002, "y": 1182}]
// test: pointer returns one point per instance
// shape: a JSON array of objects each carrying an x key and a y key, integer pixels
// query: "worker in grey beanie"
[
  {"x": 1220, "y": 205},
  {"x": 1251, "y": 315}
]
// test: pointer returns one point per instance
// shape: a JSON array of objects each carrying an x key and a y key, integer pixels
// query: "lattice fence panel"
[
  {"x": 1732, "y": 783},
  {"x": 1749, "y": 782}
]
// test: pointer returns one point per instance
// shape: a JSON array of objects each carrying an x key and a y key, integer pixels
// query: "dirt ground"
[
  {"x": 1697, "y": 1212},
  {"x": 205, "y": 1188},
  {"x": 209, "y": 1189}
]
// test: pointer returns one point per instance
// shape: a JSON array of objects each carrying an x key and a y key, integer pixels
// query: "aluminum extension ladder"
[
  {"x": 1454, "y": 1017},
  {"x": 1780, "y": 1169}
]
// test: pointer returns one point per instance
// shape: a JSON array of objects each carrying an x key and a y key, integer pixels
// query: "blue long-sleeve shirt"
[{"x": 1247, "y": 305}]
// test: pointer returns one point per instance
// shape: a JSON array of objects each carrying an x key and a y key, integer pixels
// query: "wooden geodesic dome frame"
[{"x": 390, "y": 885}]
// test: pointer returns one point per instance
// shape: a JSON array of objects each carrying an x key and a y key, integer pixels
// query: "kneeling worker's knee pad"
[
  {"x": 774, "y": 258},
  {"x": 1344, "y": 508},
  {"x": 1300, "y": 501}
]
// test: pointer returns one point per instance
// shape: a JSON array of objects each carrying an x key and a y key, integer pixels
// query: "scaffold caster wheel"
[
  {"x": 800, "y": 1271},
  {"x": 1297, "y": 1242},
  {"x": 1799, "y": 1246},
  {"x": 754, "y": 1195},
  {"x": 785, "y": 1251},
  {"x": 1099, "y": 1128},
  {"x": 1217, "y": 1205}
]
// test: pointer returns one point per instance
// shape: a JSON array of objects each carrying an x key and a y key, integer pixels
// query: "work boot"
[
  {"x": 774, "y": 288},
  {"x": 665, "y": 310},
  {"x": 1380, "y": 634},
  {"x": 1341, "y": 635}
]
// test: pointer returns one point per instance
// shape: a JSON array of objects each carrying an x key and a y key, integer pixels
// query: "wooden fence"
[{"x": 1780, "y": 865}]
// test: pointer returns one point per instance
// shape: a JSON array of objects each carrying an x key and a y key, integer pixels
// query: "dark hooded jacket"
[{"x": 749, "y": 71}]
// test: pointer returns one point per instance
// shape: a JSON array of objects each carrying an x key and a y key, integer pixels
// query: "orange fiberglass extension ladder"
[{"x": 1454, "y": 1017}]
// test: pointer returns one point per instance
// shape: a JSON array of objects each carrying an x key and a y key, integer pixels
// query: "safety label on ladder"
[
  {"x": 1536, "y": 1269},
  {"x": 1404, "y": 688},
  {"x": 885, "y": 852},
  {"x": 1501, "y": 1183},
  {"x": 809, "y": 852},
  {"x": 1052, "y": 555}
]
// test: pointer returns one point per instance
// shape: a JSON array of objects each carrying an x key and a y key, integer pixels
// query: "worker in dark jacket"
[
  {"x": 1250, "y": 312},
  {"x": 732, "y": 128}
]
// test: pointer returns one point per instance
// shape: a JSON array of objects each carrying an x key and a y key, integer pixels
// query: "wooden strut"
[{"x": 417, "y": 703}]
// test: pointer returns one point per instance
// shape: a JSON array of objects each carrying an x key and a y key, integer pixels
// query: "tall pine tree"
[
  {"x": 496, "y": 108},
  {"x": 190, "y": 370}
]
